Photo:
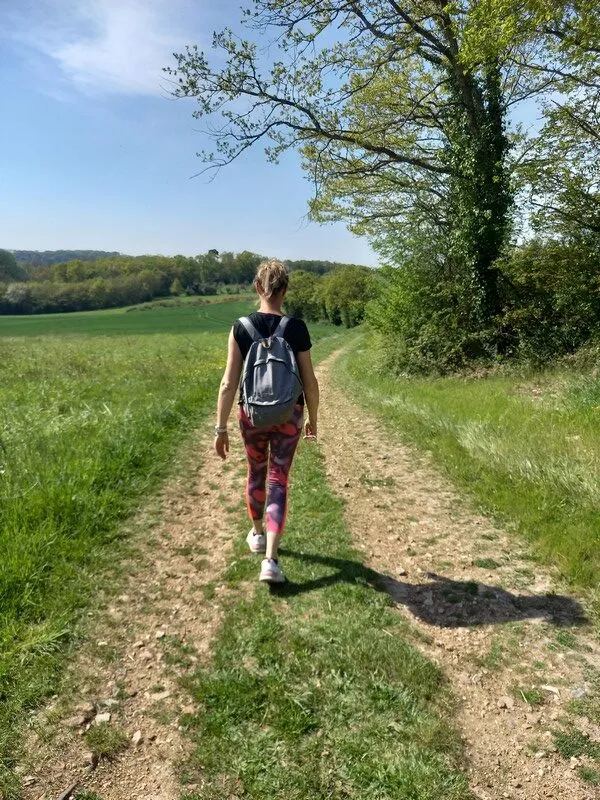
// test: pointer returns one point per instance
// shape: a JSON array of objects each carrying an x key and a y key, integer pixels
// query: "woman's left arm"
[{"x": 227, "y": 392}]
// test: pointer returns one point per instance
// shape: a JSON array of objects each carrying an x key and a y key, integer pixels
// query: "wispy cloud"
[{"x": 116, "y": 46}]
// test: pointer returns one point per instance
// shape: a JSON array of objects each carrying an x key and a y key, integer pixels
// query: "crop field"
[{"x": 133, "y": 321}]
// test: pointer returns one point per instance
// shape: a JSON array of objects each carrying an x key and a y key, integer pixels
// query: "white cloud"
[{"x": 117, "y": 46}]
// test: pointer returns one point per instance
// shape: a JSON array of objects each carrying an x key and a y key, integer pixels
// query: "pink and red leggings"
[{"x": 270, "y": 451}]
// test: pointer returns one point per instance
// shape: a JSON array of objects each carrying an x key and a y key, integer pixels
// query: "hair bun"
[{"x": 272, "y": 277}]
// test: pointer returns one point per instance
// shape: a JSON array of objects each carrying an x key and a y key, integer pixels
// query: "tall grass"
[
  {"x": 527, "y": 447},
  {"x": 87, "y": 427}
]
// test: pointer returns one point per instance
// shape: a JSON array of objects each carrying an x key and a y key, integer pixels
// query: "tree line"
[
  {"x": 340, "y": 296},
  {"x": 114, "y": 280},
  {"x": 44, "y": 258},
  {"x": 405, "y": 114}
]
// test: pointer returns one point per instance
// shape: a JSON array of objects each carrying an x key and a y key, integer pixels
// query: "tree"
[
  {"x": 177, "y": 288},
  {"x": 9, "y": 269},
  {"x": 396, "y": 120},
  {"x": 559, "y": 63},
  {"x": 246, "y": 264},
  {"x": 345, "y": 293},
  {"x": 301, "y": 299},
  {"x": 17, "y": 298}
]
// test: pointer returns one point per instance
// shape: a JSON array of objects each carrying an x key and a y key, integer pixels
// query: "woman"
[{"x": 269, "y": 450}]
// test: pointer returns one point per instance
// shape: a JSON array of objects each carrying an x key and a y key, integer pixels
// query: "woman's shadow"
[{"x": 441, "y": 601}]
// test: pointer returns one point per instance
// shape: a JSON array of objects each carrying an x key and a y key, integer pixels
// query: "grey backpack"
[{"x": 271, "y": 382}]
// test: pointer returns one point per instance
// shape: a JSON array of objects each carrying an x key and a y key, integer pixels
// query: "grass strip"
[
  {"x": 315, "y": 689},
  {"x": 88, "y": 429},
  {"x": 527, "y": 448}
]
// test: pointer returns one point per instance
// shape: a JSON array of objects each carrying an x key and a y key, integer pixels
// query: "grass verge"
[
  {"x": 315, "y": 690},
  {"x": 527, "y": 448},
  {"x": 88, "y": 429}
]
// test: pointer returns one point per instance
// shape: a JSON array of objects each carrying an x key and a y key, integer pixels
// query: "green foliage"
[
  {"x": 407, "y": 141},
  {"x": 318, "y": 267},
  {"x": 301, "y": 299},
  {"x": 10, "y": 270},
  {"x": 339, "y": 296},
  {"x": 479, "y": 195},
  {"x": 176, "y": 288},
  {"x": 45, "y": 258},
  {"x": 345, "y": 293},
  {"x": 425, "y": 316},
  {"x": 562, "y": 167},
  {"x": 552, "y": 297},
  {"x": 116, "y": 281}
]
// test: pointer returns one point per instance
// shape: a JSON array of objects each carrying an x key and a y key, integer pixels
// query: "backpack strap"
[
  {"x": 280, "y": 329},
  {"x": 251, "y": 330}
]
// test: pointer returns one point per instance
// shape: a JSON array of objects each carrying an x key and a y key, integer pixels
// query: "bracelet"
[{"x": 219, "y": 431}]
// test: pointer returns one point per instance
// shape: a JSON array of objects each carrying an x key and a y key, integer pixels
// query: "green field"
[
  {"x": 526, "y": 446},
  {"x": 187, "y": 318}
]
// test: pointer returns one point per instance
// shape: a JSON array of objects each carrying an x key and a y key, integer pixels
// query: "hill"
[
  {"x": 45, "y": 258},
  {"x": 10, "y": 270}
]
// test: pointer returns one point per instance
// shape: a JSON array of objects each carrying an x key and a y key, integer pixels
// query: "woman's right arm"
[{"x": 311, "y": 391}]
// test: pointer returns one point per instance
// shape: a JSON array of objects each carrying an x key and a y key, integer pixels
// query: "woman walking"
[{"x": 269, "y": 450}]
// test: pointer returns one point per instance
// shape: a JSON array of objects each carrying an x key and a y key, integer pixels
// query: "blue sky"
[{"x": 95, "y": 154}]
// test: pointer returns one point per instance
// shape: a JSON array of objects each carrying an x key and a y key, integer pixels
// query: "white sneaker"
[
  {"x": 270, "y": 572},
  {"x": 256, "y": 541}
]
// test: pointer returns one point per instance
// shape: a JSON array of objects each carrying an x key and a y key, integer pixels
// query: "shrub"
[
  {"x": 301, "y": 299},
  {"x": 552, "y": 297},
  {"x": 426, "y": 320},
  {"x": 344, "y": 294}
]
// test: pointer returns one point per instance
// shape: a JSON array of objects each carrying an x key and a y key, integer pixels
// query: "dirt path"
[
  {"x": 488, "y": 613},
  {"x": 142, "y": 642}
]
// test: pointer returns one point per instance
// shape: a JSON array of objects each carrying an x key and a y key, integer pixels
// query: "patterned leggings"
[{"x": 282, "y": 440}]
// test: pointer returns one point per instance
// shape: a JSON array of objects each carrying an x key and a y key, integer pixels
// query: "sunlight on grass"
[{"x": 527, "y": 448}]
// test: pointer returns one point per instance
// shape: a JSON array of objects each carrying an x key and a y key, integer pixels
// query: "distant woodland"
[{"x": 56, "y": 281}]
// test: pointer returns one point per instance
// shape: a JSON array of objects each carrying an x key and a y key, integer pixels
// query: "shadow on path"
[{"x": 441, "y": 601}]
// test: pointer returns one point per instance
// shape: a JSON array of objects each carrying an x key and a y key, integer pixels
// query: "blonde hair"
[{"x": 272, "y": 277}]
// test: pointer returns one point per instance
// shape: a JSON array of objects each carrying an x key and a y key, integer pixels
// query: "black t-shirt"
[{"x": 295, "y": 333}]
